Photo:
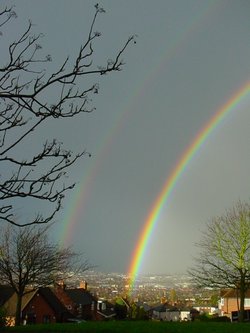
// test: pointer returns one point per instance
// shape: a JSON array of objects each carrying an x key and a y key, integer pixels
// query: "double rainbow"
[
  {"x": 171, "y": 181},
  {"x": 79, "y": 199}
]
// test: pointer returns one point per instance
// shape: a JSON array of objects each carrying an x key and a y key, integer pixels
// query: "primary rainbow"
[
  {"x": 171, "y": 181},
  {"x": 78, "y": 201}
]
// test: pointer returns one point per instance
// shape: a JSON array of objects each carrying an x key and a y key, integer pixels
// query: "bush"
[
  {"x": 203, "y": 317},
  {"x": 222, "y": 319},
  {"x": 214, "y": 318}
]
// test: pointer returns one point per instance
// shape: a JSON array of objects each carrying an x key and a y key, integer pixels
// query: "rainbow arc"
[{"x": 171, "y": 181}]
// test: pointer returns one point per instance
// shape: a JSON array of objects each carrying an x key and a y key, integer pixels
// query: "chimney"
[
  {"x": 62, "y": 284},
  {"x": 83, "y": 285}
]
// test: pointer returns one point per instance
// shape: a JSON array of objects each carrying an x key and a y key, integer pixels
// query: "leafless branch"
[
  {"x": 24, "y": 83},
  {"x": 29, "y": 260}
]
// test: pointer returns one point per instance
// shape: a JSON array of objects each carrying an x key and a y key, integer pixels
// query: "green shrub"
[
  {"x": 212, "y": 318},
  {"x": 203, "y": 317}
]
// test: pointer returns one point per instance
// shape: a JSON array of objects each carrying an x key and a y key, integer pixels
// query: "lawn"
[{"x": 136, "y": 327}]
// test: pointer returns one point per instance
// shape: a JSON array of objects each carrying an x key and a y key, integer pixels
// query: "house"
[
  {"x": 38, "y": 306},
  {"x": 85, "y": 304},
  {"x": 10, "y": 306},
  {"x": 5, "y": 293},
  {"x": 79, "y": 301},
  {"x": 59, "y": 291},
  {"x": 172, "y": 314},
  {"x": 45, "y": 307},
  {"x": 105, "y": 310},
  {"x": 145, "y": 309},
  {"x": 185, "y": 314},
  {"x": 209, "y": 309},
  {"x": 159, "y": 312},
  {"x": 230, "y": 302},
  {"x": 188, "y": 314},
  {"x": 166, "y": 312}
]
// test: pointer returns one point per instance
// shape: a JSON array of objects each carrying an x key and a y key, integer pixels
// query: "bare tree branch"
[
  {"x": 24, "y": 84},
  {"x": 29, "y": 260}
]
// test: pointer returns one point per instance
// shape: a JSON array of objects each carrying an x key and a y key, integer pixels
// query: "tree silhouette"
[
  {"x": 28, "y": 260},
  {"x": 25, "y": 83}
]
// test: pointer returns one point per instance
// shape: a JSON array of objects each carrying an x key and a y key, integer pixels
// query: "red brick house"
[
  {"x": 85, "y": 304},
  {"x": 38, "y": 306},
  {"x": 79, "y": 301},
  {"x": 50, "y": 305},
  {"x": 230, "y": 302}
]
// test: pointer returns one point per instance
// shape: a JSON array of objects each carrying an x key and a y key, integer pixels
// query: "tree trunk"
[
  {"x": 18, "y": 310},
  {"x": 242, "y": 301}
]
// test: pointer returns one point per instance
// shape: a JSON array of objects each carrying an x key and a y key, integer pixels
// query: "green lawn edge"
[{"x": 135, "y": 327}]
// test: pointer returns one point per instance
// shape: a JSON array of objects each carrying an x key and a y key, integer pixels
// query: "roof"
[
  {"x": 233, "y": 293},
  {"x": 52, "y": 300},
  {"x": 188, "y": 309},
  {"x": 165, "y": 307},
  {"x": 10, "y": 304},
  {"x": 5, "y": 293},
  {"x": 144, "y": 305},
  {"x": 80, "y": 296},
  {"x": 160, "y": 308},
  {"x": 172, "y": 309},
  {"x": 46, "y": 293}
]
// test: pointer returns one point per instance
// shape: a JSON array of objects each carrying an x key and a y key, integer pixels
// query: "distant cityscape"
[{"x": 150, "y": 289}]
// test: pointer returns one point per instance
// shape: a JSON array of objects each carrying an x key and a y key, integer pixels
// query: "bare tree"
[
  {"x": 28, "y": 260},
  {"x": 224, "y": 260},
  {"x": 24, "y": 85}
]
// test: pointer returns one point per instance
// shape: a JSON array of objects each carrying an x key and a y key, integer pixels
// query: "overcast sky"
[{"x": 191, "y": 56}]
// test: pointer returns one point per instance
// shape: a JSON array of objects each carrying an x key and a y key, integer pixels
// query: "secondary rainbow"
[
  {"x": 171, "y": 181},
  {"x": 74, "y": 211}
]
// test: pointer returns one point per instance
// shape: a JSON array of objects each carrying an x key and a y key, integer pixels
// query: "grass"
[{"x": 135, "y": 327}]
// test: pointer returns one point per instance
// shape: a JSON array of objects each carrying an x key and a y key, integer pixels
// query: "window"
[
  {"x": 247, "y": 302},
  {"x": 46, "y": 319}
]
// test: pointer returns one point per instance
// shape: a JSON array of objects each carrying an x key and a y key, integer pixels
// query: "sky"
[{"x": 190, "y": 58}]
